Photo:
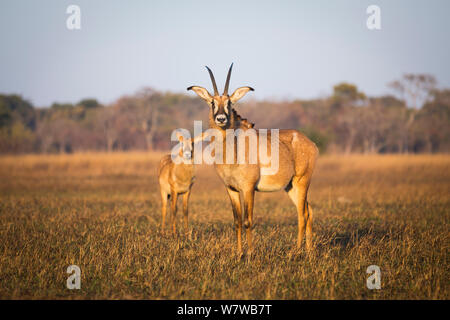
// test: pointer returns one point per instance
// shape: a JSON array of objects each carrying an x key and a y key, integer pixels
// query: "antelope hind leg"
[
  {"x": 297, "y": 193},
  {"x": 173, "y": 208},
  {"x": 185, "y": 210},
  {"x": 164, "y": 198},
  {"x": 309, "y": 225}
]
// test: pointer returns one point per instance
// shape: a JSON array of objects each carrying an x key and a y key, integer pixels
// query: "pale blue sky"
[{"x": 284, "y": 49}]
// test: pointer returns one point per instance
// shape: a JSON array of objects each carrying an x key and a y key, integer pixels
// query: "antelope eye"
[{"x": 215, "y": 108}]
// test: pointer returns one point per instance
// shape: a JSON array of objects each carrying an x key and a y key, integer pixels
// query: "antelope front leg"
[
  {"x": 174, "y": 197},
  {"x": 236, "y": 205},
  {"x": 249, "y": 197},
  {"x": 185, "y": 209}
]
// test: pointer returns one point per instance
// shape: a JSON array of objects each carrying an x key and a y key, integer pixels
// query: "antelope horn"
[
  {"x": 216, "y": 92},
  {"x": 225, "y": 91}
]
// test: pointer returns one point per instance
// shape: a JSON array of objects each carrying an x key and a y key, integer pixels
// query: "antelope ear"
[
  {"x": 239, "y": 93},
  {"x": 202, "y": 93}
]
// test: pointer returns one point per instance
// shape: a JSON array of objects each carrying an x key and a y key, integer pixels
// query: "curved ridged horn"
[
  {"x": 225, "y": 91},
  {"x": 216, "y": 92}
]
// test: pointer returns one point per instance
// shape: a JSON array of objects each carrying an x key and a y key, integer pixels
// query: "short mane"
[{"x": 241, "y": 122}]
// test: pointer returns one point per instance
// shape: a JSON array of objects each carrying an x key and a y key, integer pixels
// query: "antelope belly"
[
  {"x": 272, "y": 183},
  {"x": 183, "y": 187}
]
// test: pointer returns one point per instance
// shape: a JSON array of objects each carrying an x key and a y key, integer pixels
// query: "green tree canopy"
[
  {"x": 13, "y": 108},
  {"x": 347, "y": 92}
]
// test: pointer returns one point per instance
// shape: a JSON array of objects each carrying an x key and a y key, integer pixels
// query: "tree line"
[{"x": 414, "y": 119}]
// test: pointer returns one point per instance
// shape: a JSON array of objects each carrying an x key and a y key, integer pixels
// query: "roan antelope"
[
  {"x": 177, "y": 178},
  {"x": 297, "y": 158}
]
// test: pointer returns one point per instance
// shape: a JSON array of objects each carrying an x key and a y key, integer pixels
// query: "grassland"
[{"x": 102, "y": 213}]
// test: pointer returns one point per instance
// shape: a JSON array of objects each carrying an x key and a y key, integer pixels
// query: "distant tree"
[
  {"x": 377, "y": 123},
  {"x": 414, "y": 90},
  {"x": 17, "y": 123},
  {"x": 347, "y": 121},
  {"x": 320, "y": 138},
  {"x": 14, "y": 108},
  {"x": 56, "y": 132},
  {"x": 148, "y": 114},
  {"x": 107, "y": 120},
  {"x": 6, "y": 117},
  {"x": 61, "y": 106},
  {"x": 347, "y": 94},
  {"x": 345, "y": 99},
  {"x": 432, "y": 131},
  {"x": 89, "y": 103}
]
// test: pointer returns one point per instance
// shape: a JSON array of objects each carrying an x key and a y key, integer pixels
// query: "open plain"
[{"x": 102, "y": 212}]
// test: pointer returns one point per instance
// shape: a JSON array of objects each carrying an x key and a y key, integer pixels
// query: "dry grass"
[{"x": 102, "y": 212}]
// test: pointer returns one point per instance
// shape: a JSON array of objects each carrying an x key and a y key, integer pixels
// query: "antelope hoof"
[
  {"x": 239, "y": 255},
  {"x": 299, "y": 249},
  {"x": 250, "y": 255}
]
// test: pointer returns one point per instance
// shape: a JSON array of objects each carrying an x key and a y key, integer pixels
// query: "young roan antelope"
[
  {"x": 176, "y": 178},
  {"x": 297, "y": 158}
]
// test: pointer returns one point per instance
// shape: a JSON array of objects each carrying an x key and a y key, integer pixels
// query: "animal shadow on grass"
[
  {"x": 354, "y": 236},
  {"x": 327, "y": 236}
]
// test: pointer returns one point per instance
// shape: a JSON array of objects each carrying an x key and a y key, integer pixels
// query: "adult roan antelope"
[{"x": 297, "y": 157}]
